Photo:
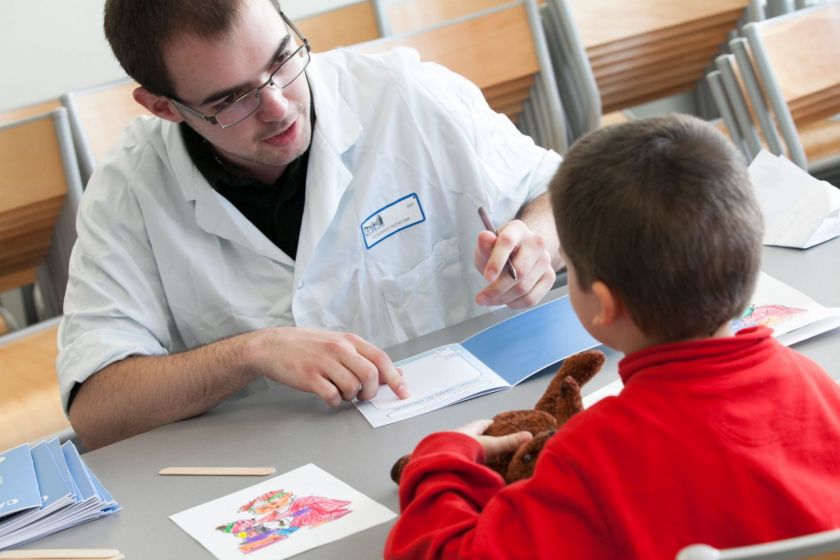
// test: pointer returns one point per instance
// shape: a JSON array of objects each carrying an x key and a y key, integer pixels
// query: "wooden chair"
[
  {"x": 515, "y": 74},
  {"x": 797, "y": 64},
  {"x": 348, "y": 25},
  {"x": 30, "y": 405},
  {"x": 40, "y": 192},
  {"x": 21, "y": 113},
  {"x": 98, "y": 116},
  {"x": 39, "y": 195},
  {"x": 649, "y": 49},
  {"x": 755, "y": 126},
  {"x": 405, "y": 16},
  {"x": 818, "y": 546}
]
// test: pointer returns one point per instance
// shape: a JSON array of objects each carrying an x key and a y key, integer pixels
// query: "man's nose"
[{"x": 275, "y": 105}]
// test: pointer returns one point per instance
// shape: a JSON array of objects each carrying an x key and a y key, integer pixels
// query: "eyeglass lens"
[{"x": 284, "y": 75}]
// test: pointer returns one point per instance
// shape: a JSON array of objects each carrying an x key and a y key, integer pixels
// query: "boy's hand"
[
  {"x": 492, "y": 445},
  {"x": 526, "y": 249}
]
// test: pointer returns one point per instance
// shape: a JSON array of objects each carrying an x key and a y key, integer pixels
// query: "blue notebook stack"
[{"x": 46, "y": 488}]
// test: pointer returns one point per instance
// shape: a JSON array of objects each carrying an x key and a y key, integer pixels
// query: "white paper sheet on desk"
[
  {"x": 792, "y": 315},
  {"x": 281, "y": 517},
  {"x": 799, "y": 210}
]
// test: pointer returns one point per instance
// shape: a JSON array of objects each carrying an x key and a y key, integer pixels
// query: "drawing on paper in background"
[
  {"x": 281, "y": 517},
  {"x": 281, "y": 513},
  {"x": 765, "y": 315}
]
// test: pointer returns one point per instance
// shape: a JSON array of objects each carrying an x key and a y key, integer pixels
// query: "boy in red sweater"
[{"x": 719, "y": 439}]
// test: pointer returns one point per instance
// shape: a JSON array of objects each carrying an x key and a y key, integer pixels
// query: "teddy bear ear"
[
  {"x": 397, "y": 469},
  {"x": 584, "y": 365},
  {"x": 525, "y": 458}
]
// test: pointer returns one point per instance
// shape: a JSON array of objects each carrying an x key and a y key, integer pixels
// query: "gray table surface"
[{"x": 286, "y": 429}]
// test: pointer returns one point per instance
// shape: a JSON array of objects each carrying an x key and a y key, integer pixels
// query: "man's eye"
[
  {"x": 230, "y": 99},
  {"x": 283, "y": 57}
]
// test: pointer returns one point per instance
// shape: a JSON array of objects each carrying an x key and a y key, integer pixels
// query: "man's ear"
[
  {"x": 157, "y": 105},
  {"x": 610, "y": 306}
]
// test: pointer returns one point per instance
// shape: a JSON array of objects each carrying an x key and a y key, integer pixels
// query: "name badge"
[{"x": 397, "y": 216}]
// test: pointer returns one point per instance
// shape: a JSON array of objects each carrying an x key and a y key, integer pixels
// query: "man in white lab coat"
[{"x": 283, "y": 217}]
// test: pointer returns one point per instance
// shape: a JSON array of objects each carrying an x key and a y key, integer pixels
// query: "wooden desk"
[{"x": 287, "y": 429}]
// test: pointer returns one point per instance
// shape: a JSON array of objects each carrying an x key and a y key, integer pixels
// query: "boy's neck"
[{"x": 638, "y": 341}]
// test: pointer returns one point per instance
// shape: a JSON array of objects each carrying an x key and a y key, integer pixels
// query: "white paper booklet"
[
  {"x": 792, "y": 315},
  {"x": 799, "y": 210},
  {"x": 289, "y": 514},
  {"x": 496, "y": 358}
]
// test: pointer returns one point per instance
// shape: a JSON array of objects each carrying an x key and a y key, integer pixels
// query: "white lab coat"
[{"x": 163, "y": 263}]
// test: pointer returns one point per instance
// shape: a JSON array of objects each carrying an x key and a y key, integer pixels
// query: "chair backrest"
[
  {"x": 98, "y": 116},
  {"x": 802, "y": 60},
  {"x": 30, "y": 404},
  {"x": 340, "y": 27},
  {"x": 505, "y": 70},
  {"x": 800, "y": 89},
  {"x": 818, "y": 546},
  {"x": 39, "y": 195},
  {"x": 21, "y": 113},
  {"x": 405, "y": 16},
  {"x": 648, "y": 49}
]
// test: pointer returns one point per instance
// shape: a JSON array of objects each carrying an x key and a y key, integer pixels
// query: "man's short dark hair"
[
  {"x": 662, "y": 211},
  {"x": 140, "y": 30}
]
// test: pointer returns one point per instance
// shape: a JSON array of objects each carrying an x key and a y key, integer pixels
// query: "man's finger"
[
  {"x": 536, "y": 293},
  {"x": 326, "y": 391},
  {"x": 388, "y": 374},
  {"x": 365, "y": 372},
  {"x": 483, "y": 248}
]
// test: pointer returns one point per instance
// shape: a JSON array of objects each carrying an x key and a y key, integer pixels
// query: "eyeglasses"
[{"x": 247, "y": 104}]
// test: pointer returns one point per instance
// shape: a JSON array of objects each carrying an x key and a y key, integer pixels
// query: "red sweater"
[{"x": 728, "y": 442}]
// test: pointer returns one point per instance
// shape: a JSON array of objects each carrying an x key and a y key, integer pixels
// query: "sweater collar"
[{"x": 699, "y": 356}]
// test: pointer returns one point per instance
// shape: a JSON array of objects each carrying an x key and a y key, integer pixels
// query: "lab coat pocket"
[{"x": 430, "y": 296}]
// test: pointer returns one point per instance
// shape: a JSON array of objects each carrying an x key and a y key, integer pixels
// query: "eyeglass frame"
[{"x": 257, "y": 90}]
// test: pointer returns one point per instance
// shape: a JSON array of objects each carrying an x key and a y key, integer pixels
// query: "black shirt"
[{"x": 276, "y": 210}]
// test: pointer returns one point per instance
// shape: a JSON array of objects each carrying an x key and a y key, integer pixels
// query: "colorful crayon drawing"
[
  {"x": 766, "y": 315},
  {"x": 281, "y": 514}
]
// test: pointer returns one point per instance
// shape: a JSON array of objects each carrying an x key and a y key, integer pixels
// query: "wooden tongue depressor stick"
[
  {"x": 62, "y": 554},
  {"x": 217, "y": 471}
]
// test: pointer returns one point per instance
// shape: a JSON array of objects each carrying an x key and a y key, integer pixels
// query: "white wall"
[{"x": 48, "y": 47}]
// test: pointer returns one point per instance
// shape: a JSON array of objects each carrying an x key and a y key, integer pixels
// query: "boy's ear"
[
  {"x": 609, "y": 305},
  {"x": 157, "y": 105}
]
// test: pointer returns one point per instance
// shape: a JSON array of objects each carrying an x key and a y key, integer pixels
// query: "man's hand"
[
  {"x": 334, "y": 366},
  {"x": 492, "y": 445},
  {"x": 534, "y": 273}
]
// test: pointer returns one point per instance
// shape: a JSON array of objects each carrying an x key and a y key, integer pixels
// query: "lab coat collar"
[
  {"x": 213, "y": 212},
  {"x": 337, "y": 128}
]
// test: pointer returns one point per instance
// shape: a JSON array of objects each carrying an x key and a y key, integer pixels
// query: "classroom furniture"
[
  {"x": 819, "y": 546},
  {"x": 30, "y": 406},
  {"x": 754, "y": 124},
  {"x": 27, "y": 111},
  {"x": 515, "y": 74},
  {"x": 343, "y": 26},
  {"x": 801, "y": 91},
  {"x": 405, "y": 16},
  {"x": 285, "y": 429},
  {"x": 649, "y": 49},
  {"x": 98, "y": 116},
  {"x": 39, "y": 195}
]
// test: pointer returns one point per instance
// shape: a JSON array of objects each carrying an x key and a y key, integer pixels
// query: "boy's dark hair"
[
  {"x": 140, "y": 30},
  {"x": 662, "y": 211}
]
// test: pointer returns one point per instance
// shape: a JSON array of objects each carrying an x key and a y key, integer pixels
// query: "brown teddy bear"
[{"x": 560, "y": 402}]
